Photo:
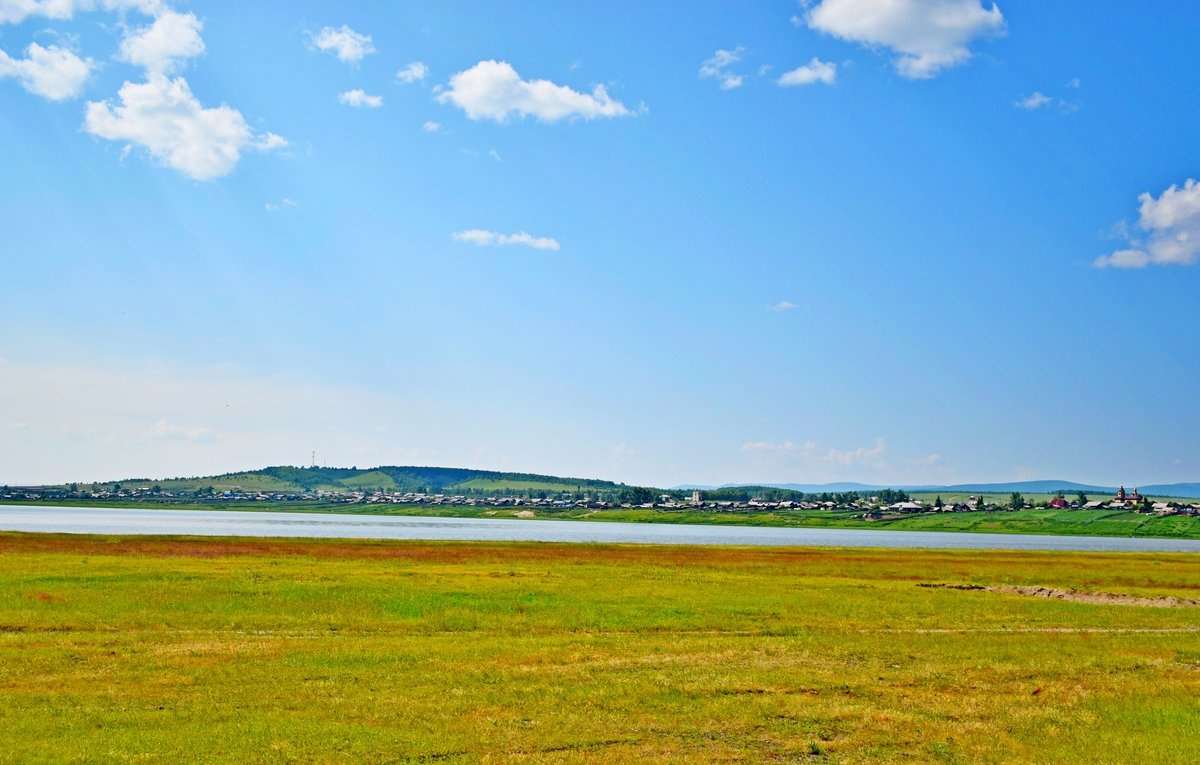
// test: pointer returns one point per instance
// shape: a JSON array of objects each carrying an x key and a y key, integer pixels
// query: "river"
[{"x": 91, "y": 520}]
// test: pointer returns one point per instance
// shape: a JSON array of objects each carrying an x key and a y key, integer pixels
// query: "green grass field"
[{"x": 168, "y": 650}]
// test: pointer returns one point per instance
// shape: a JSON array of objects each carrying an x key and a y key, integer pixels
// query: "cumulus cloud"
[
  {"x": 160, "y": 47},
  {"x": 345, "y": 43},
  {"x": 431, "y": 127},
  {"x": 1171, "y": 226},
  {"x": 414, "y": 72},
  {"x": 492, "y": 90},
  {"x": 717, "y": 68},
  {"x": 52, "y": 72},
  {"x": 162, "y": 116},
  {"x": 483, "y": 238},
  {"x": 359, "y": 98},
  {"x": 927, "y": 36},
  {"x": 783, "y": 305},
  {"x": 813, "y": 72}
]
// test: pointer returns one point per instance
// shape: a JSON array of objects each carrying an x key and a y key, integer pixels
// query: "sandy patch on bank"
[{"x": 524, "y": 514}]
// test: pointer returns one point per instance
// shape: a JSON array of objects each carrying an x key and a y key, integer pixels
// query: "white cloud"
[
  {"x": 16, "y": 11},
  {"x": 268, "y": 142},
  {"x": 431, "y": 127},
  {"x": 926, "y": 35},
  {"x": 360, "y": 98},
  {"x": 1038, "y": 100},
  {"x": 783, "y": 305},
  {"x": 495, "y": 155},
  {"x": 345, "y": 43},
  {"x": 52, "y": 72},
  {"x": 164, "y": 44},
  {"x": 484, "y": 238},
  {"x": 165, "y": 431},
  {"x": 414, "y": 72},
  {"x": 283, "y": 204},
  {"x": 1172, "y": 231},
  {"x": 1035, "y": 100},
  {"x": 717, "y": 68},
  {"x": 813, "y": 72},
  {"x": 493, "y": 90},
  {"x": 162, "y": 116},
  {"x": 869, "y": 456}
]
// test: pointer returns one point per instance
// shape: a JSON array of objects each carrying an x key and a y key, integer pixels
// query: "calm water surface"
[{"x": 77, "y": 520}]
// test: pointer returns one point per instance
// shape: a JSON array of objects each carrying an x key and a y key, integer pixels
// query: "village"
[{"x": 866, "y": 507}]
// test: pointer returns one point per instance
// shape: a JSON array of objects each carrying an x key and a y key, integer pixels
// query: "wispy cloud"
[
  {"x": 483, "y": 238},
  {"x": 360, "y": 99},
  {"x": 283, "y": 204},
  {"x": 783, "y": 305},
  {"x": 431, "y": 127},
  {"x": 717, "y": 68},
  {"x": 811, "y": 73},
  {"x": 810, "y": 452},
  {"x": 345, "y": 43},
  {"x": 1035, "y": 100},
  {"x": 414, "y": 72}
]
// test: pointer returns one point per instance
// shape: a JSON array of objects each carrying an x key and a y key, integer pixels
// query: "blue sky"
[{"x": 881, "y": 240}]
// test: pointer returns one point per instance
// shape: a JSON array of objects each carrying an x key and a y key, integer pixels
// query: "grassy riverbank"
[
  {"x": 1103, "y": 522},
  {"x": 118, "y": 649}
]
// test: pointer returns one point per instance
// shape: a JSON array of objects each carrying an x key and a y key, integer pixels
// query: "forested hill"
[{"x": 389, "y": 478}]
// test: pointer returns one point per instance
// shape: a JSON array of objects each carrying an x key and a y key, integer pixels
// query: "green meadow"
[{"x": 214, "y": 650}]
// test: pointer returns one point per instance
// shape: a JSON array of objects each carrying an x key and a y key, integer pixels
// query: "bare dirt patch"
[{"x": 1078, "y": 596}]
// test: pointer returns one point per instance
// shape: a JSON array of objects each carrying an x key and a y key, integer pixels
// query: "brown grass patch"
[{"x": 1078, "y": 596}]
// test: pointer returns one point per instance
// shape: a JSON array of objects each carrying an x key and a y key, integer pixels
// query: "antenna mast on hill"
[{"x": 314, "y": 458}]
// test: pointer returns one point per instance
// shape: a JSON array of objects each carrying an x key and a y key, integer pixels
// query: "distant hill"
[
  {"x": 1182, "y": 490},
  {"x": 433, "y": 480}
]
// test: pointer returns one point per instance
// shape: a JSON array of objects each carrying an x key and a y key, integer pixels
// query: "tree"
[
  {"x": 1016, "y": 501},
  {"x": 937, "y": 503},
  {"x": 637, "y": 495},
  {"x": 1081, "y": 498}
]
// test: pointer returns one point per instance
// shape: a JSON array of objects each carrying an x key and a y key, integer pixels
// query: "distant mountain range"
[{"x": 1181, "y": 490}]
